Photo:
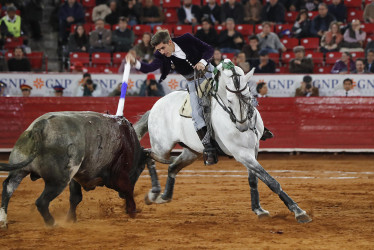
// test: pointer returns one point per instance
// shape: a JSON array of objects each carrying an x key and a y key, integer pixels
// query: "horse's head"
[{"x": 238, "y": 95}]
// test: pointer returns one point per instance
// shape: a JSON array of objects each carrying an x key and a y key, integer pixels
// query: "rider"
[{"x": 184, "y": 54}]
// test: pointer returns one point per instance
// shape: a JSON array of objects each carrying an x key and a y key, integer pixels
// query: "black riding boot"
[
  {"x": 267, "y": 134},
  {"x": 210, "y": 153}
]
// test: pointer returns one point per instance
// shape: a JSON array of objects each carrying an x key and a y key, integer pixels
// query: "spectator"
[
  {"x": 338, "y": 10},
  {"x": 264, "y": 64},
  {"x": 19, "y": 62},
  {"x": 301, "y": 27},
  {"x": 251, "y": 50},
  {"x": 353, "y": 38},
  {"x": 274, "y": 12},
  {"x": 59, "y": 90},
  {"x": 70, "y": 13},
  {"x": 369, "y": 13},
  {"x": 360, "y": 67},
  {"x": 321, "y": 23},
  {"x": 217, "y": 58},
  {"x": 33, "y": 16},
  {"x": 262, "y": 90},
  {"x": 3, "y": 89},
  {"x": 189, "y": 13},
  {"x": 78, "y": 41},
  {"x": 130, "y": 9},
  {"x": 212, "y": 11},
  {"x": 252, "y": 12},
  {"x": 11, "y": 24},
  {"x": 348, "y": 89},
  {"x": 26, "y": 90},
  {"x": 144, "y": 51},
  {"x": 114, "y": 15},
  {"x": 116, "y": 91},
  {"x": 88, "y": 88},
  {"x": 122, "y": 38},
  {"x": 242, "y": 62},
  {"x": 307, "y": 89},
  {"x": 151, "y": 87},
  {"x": 344, "y": 65},
  {"x": 369, "y": 62},
  {"x": 207, "y": 33},
  {"x": 301, "y": 64},
  {"x": 230, "y": 40},
  {"x": 309, "y": 5},
  {"x": 100, "y": 12},
  {"x": 100, "y": 38},
  {"x": 232, "y": 9},
  {"x": 151, "y": 14},
  {"x": 332, "y": 39},
  {"x": 269, "y": 40}
]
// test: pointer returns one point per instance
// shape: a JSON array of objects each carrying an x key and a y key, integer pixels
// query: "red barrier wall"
[{"x": 318, "y": 123}]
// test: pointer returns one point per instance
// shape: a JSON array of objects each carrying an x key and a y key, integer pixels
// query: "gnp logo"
[
  {"x": 38, "y": 83},
  {"x": 173, "y": 84}
]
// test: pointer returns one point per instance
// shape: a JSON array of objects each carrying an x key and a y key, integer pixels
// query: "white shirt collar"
[{"x": 178, "y": 52}]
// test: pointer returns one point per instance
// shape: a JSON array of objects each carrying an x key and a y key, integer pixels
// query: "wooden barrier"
[{"x": 299, "y": 124}]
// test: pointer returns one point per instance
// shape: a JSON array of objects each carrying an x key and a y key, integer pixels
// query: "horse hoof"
[
  {"x": 303, "y": 218},
  {"x": 262, "y": 213},
  {"x": 160, "y": 200},
  {"x": 3, "y": 225},
  {"x": 147, "y": 201},
  {"x": 151, "y": 197}
]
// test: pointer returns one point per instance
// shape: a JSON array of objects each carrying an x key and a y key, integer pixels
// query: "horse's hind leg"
[
  {"x": 255, "y": 197},
  {"x": 51, "y": 190},
  {"x": 9, "y": 186},
  {"x": 184, "y": 159},
  {"x": 75, "y": 198}
]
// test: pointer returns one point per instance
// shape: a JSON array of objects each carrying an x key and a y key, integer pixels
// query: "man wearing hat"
[
  {"x": 307, "y": 89},
  {"x": 59, "y": 90},
  {"x": 26, "y": 90},
  {"x": 301, "y": 64},
  {"x": 2, "y": 88},
  {"x": 11, "y": 24},
  {"x": 151, "y": 87}
]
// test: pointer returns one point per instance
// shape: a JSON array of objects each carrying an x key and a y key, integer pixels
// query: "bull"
[{"x": 79, "y": 149}]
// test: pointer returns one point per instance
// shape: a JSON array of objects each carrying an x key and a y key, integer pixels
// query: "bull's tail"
[
  {"x": 29, "y": 142},
  {"x": 141, "y": 127}
]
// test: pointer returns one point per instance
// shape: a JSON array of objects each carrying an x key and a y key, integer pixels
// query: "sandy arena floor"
[{"x": 211, "y": 210}]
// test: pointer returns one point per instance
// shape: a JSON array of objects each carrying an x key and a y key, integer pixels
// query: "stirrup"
[{"x": 210, "y": 156}]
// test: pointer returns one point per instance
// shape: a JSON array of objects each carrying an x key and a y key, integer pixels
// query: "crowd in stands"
[{"x": 276, "y": 36}]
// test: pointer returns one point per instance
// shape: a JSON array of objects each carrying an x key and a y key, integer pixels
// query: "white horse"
[{"x": 237, "y": 129}]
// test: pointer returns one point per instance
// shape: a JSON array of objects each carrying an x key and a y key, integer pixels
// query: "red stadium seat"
[
  {"x": 291, "y": 16},
  {"x": 228, "y": 56},
  {"x": 196, "y": 28},
  {"x": 118, "y": 57},
  {"x": 171, "y": 16},
  {"x": 353, "y": 3},
  {"x": 87, "y": 27},
  {"x": 316, "y": 56},
  {"x": 168, "y": 27},
  {"x": 274, "y": 57},
  {"x": 290, "y": 43},
  {"x": 88, "y": 15},
  {"x": 140, "y": 29},
  {"x": 8, "y": 55},
  {"x": 36, "y": 59},
  {"x": 81, "y": 57},
  {"x": 89, "y": 3},
  {"x": 101, "y": 58},
  {"x": 312, "y": 14},
  {"x": 283, "y": 28},
  {"x": 245, "y": 29},
  {"x": 110, "y": 70},
  {"x": 332, "y": 57},
  {"x": 355, "y": 14},
  {"x": 13, "y": 42},
  {"x": 196, "y": 2},
  {"x": 171, "y": 4},
  {"x": 368, "y": 28},
  {"x": 356, "y": 55},
  {"x": 310, "y": 42},
  {"x": 322, "y": 69},
  {"x": 282, "y": 70},
  {"x": 219, "y": 28},
  {"x": 258, "y": 28},
  {"x": 182, "y": 29},
  {"x": 287, "y": 57}
]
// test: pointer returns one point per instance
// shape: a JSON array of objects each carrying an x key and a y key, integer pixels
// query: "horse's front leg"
[
  {"x": 300, "y": 215},
  {"x": 152, "y": 195}
]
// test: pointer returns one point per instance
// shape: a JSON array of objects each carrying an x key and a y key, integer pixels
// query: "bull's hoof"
[
  {"x": 261, "y": 213},
  {"x": 303, "y": 218}
]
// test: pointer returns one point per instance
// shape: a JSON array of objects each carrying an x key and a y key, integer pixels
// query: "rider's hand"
[
  {"x": 130, "y": 58},
  {"x": 199, "y": 66}
]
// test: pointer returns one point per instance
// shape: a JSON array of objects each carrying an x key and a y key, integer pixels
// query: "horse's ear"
[{"x": 249, "y": 75}]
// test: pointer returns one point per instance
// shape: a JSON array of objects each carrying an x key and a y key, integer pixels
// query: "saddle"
[{"x": 186, "y": 110}]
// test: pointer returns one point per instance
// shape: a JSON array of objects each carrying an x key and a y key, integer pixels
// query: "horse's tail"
[{"x": 141, "y": 127}]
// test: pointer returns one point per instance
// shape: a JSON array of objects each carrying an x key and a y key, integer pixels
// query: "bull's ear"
[{"x": 248, "y": 76}]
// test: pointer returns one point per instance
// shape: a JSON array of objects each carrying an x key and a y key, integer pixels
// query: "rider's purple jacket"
[{"x": 194, "y": 49}]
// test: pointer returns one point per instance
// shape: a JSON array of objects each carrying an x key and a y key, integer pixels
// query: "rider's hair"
[{"x": 161, "y": 36}]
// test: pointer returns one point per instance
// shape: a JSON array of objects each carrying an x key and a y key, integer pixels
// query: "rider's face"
[{"x": 165, "y": 49}]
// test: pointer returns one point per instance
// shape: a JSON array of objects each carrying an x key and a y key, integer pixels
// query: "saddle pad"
[{"x": 186, "y": 110}]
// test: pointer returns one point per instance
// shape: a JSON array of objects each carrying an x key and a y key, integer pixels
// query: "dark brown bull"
[{"x": 85, "y": 149}]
